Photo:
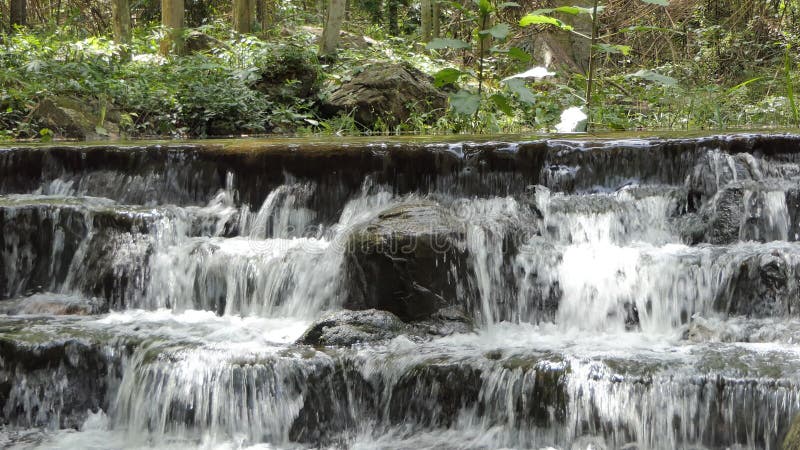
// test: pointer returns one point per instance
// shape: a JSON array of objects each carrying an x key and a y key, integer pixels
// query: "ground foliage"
[{"x": 688, "y": 65}]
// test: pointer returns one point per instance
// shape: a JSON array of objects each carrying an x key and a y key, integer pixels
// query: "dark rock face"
[
  {"x": 345, "y": 328},
  {"x": 55, "y": 384},
  {"x": 388, "y": 94},
  {"x": 763, "y": 285},
  {"x": 400, "y": 261},
  {"x": 715, "y": 170}
]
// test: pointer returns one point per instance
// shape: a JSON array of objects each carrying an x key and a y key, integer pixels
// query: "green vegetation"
[{"x": 648, "y": 64}]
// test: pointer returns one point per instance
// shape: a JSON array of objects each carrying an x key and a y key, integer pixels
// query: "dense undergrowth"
[{"x": 273, "y": 82}]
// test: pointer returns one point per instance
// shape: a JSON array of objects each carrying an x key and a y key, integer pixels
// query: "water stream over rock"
[{"x": 576, "y": 294}]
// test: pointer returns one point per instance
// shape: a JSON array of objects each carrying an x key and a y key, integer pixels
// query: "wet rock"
[
  {"x": 345, "y": 328},
  {"x": 433, "y": 394},
  {"x": 401, "y": 261},
  {"x": 56, "y": 305},
  {"x": 386, "y": 94},
  {"x": 53, "y": 384},
  {"x": 764, "y": 285},
  {"x": 71, "y": 119},
  {"x": 746, "y": 211},
  {"x": 716, "y": 169}
]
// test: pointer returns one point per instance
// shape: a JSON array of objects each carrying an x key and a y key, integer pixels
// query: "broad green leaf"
[
  {"x": 610, "y": 48},
  {"x": 519, "y": 54},
  {"x": 505, "y": 5},
  {"x": 657, "y": 2},
  {"x": 573, "y": 10},
  {"x": 502, "y": 103},
  {"x": 499, "y": 31},
  {"x": 464, "y": 102},
  {"x": 538, "y": 19},
  {"x": 517, "y": 86},
  {"x": 656, "y": 77},
  {"x": 446, "y": 76},
  {"x": 484, "y": 6},
  {"x": 440, "y": 43}
]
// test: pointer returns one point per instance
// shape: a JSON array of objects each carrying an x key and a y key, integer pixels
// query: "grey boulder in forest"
[{"x": 388, "y": 94}]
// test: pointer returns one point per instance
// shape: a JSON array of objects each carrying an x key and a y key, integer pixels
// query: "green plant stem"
[
  {"x": 590, "y": 78},
  {"x": 787, "y": 65}
]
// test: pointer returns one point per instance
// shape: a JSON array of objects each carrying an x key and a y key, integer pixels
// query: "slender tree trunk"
[
  {"x": 18, "y": 12},
  {"x": 391, "y": 17},
  {"x": 264, "y": 14},
  {"x": 437, "y": 22},
  {"x": 333, "y": 24},
  {"x": 121, "y": 15},
  {"x": 243, "y": 16},
  {"x": 172, "y": 14},
  {"x": 426, "y": 13}
]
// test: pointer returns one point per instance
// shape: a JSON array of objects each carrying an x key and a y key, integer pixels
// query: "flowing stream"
[{"x": 637, "y": 294}]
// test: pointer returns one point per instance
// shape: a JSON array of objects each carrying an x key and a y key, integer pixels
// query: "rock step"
[
  {"x": 191, "y": 174},
  {"x": 686, "y": 395}
]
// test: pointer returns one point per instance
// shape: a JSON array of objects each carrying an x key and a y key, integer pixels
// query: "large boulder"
[
  {"x": 385, "y": 94},
  {"x": 402, "y": 261},
  {"x": 345, "y": 328},
  {"x": 763, "y": 285},
  {"x": 71, "y": 119}
]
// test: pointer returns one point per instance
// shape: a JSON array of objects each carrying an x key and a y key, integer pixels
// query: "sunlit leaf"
[
  {"x": 538, "y": 19},
  {"x": 657, "y": 2},
  {"x": 614, "y": 49},
  {"x": 441, "y": 43},
  {"x": 505, "y": 5}
]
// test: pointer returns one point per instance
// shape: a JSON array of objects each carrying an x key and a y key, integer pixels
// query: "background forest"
[{"x": 80, "y": 68}]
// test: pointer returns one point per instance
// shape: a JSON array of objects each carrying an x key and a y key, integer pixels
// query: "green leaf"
[
  {"x": 573, "y": 10},
  {"x": 614, "y": 49},
  {"x": 100, "y": 131},
  {"x": 446, "y": 76},
  {"x": 464, "y": 102},
  {"x": 499, "y": 31},
  {"x": 657, "y": 2},
  {"x": 502, "y": 103},
  {"x": 484, "y": 6},
  {"x": 517, "y": 86},
  {"x": 519, "y": 54},
  {"x": 538, "y": 19},
  {"x": 656, "y": 77},
  {"x": 505, "y": 5},
  {"x": 440, "y": 43}
]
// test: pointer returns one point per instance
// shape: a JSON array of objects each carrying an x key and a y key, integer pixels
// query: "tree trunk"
[
  {"x": 172, "y": 19},
  {"x": 437, "y": 23},
  {"x": 426, "y": 14},
  {"x": 243, "y": 16},
  {"x": 18, "y": 13},
  {"x": 333, "y": 24},
  {"x": 391, "y": 17},
  {"x": 121, "y": 15}
]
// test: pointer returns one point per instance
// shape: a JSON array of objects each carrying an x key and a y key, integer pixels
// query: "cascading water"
[{"x": 568, "y": 294}]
